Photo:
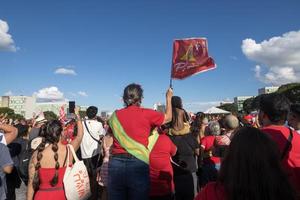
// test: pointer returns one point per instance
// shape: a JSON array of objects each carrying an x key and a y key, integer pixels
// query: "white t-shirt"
[
  {"x": 2, "y": 138},
  {"x": 88, "y": 146}
]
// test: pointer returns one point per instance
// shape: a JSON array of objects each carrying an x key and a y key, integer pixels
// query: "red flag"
[
  {"x": 62, "y": 114},
  {"x": 190, "y": 56}
]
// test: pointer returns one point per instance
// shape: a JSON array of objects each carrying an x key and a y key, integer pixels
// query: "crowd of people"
[{"x": 140, "y": 153}]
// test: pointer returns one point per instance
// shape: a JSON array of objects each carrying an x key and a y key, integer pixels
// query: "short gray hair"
[
  {"x": 231, "y": 122},
  {"x": 214, "y": 128}
]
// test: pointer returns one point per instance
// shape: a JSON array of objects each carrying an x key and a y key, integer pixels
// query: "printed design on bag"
[{"x": 81, "y": 182}]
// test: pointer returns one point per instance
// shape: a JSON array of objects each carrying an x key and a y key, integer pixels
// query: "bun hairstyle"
[
  {"x": 133, "y": 95},
  {"x": 51, "y": 133}
]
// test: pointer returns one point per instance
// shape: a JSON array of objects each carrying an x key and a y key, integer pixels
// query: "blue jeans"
[{"x": 128, "y": 179}]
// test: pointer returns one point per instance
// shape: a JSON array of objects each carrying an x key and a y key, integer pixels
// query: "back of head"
[
  {"x": 133, "y": 94},
  {"x": 91, "y": 112},
  {"x": 51, "y": 131},
  {"x": 22, "y": 130},
  {"x": 198, "y": 122},
  {"x": 251, "y": 168},
  {"x": 176, "y": 102},
  {"x": 214, "y": 128},
  {"x": 275, "y": 106},
  {"x": 295, "y": 108},
  {"x": 231, "y": 122}
]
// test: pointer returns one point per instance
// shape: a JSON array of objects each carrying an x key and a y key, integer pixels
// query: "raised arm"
[
  {"x": 31, "y": 171},
  {"x": 10, "y": 132},
  {"x": 76, "y": 142},
  {"x": 168, "y": 113}
]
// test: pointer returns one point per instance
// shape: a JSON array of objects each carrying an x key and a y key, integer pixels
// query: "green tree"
[
  {"x": 231, "y": 107},
  {"x": 10, "y": 112},
  {"x": 49, "y": 115},
  {"x": 82, "y": 113},
  {"x": 288, "y": 86},
  {"x": 18, "y": 117},
  {"x": 291, "y": 91},
  {"x": 248, "y": 105}
]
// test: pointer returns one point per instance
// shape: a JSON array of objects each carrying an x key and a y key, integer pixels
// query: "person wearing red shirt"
[
  {"x": 210, "y": 164},
  {"x": 274, "y": 109},
  {"x": 251, "y": 169},
  {"x": 128, "y": 175},
  {"x": 161, "y": 171},
  {"x": 294, "y": 117}
]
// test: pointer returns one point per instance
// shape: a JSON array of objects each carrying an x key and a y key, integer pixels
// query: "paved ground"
[{"x": 21, "y": 192}]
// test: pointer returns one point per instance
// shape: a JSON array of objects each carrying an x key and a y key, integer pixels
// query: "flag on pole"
[
  {"x": 190, "y": 56},
  {"x": 62, "y": 114}
]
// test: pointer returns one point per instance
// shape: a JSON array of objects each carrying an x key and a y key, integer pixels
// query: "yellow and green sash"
[{"x": 130, "y": 145}]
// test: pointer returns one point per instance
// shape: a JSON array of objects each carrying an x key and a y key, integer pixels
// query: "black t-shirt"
[{"x": 185, "y": 156}]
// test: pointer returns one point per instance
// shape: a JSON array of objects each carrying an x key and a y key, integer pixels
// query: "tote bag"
[{"x": 76, "y": 179}]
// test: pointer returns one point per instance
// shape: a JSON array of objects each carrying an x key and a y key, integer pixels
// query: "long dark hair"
[
  {"x": 196, "y": 125},
  {"x": 251, "y": 169},
  {"x": 51, "y": 133},
  {"x": 177, "y": 104}
]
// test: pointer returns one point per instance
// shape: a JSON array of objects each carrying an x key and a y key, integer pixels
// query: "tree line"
[{"x": 291, "y": 91}]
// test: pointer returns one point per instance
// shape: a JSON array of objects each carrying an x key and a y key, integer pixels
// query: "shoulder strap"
[
  {"x": 133, "y": 147},
  {"x": 287, "y": 145},
  {"x": 90, "y": 132},
  {"x": 152, "y": 139},
  {"x": 66, "y": 156}
]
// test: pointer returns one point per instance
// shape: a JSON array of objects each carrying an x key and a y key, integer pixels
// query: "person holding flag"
[{"x": 128, "y": 168}]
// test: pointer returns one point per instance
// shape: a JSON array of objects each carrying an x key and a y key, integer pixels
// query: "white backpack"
[{"x": 76, "y": 179}]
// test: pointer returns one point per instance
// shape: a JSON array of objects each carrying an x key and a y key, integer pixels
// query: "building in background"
[
  {"x": 23, "y": 105},
  {"x": 105, "y": 114},
  {"x": 52, "y": 106},
  {"x": 159, "y": 107},
  {"x": 4, "y": 101},
  {"x": 83, "y": 108},
  {"x": 226, "y": 101},
  {"x": 238, "y": 101},
  {"x": 267, "y": 90}
]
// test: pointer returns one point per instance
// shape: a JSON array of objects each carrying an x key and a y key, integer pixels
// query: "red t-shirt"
[
  {"x": 207, "y": 144},
  {"x": 212, "y": 191},
  {"x": 291, "y": 162},
  {"x": 137, "y": 122},
  {"x": 161, "y": 172}
]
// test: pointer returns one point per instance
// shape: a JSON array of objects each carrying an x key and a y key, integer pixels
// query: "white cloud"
[
  {"x": 280, "y": 56},
  {"x": 6, "y": 41},
  {"x": 65, "y": 71},
  {"x": 257, "y": 71},
  {"x": 50, "y": 93},
  {"x": 233, "y": 58},
  {"x": 72, "y": 94},
  {"x": 200, "y": 106},
  {"x": 8, "y": 93},
  {"x": 83, "y": 94}
]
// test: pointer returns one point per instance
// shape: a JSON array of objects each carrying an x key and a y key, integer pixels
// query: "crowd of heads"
[{"x": 251, "y": 156}]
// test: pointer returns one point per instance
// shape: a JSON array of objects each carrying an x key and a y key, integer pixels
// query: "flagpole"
[
  {"x": 171, "y": 86},
  {"x": 171, "y": 80}
]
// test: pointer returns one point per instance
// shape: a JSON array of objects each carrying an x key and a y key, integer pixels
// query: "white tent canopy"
[{"x": 214, "y": 110}]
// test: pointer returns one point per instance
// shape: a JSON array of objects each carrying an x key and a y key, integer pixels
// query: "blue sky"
[{"x": 105, "y": 45}]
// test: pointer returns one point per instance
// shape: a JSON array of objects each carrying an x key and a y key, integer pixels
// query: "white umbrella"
[{"x": 214, "y": 110}]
